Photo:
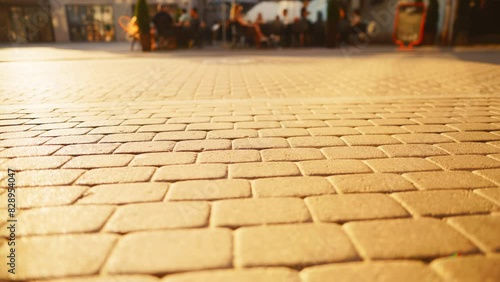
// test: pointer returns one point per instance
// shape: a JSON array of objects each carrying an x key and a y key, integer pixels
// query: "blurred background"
[{"x": 459, "y": 22}]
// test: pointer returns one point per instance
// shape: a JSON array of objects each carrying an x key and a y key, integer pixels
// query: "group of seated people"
[
  {"x": 186, "y": 31},
  {"x": 190, "y": 31},
  {"x": 287, "y": 32}
]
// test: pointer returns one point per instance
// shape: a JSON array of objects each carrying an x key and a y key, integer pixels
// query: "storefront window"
[
  {"x": 91, "y": 23},
  {"x": 25, "y": 23}
]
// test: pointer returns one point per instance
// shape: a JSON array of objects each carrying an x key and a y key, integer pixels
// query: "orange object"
[{"x": 420, "y": 37}]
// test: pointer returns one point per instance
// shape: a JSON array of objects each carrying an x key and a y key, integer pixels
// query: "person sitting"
[{"x": 239, "y": 20}]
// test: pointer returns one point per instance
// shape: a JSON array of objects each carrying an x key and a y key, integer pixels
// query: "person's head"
[
  {"x": 357, "y": 12},
  {"x": 239, "y": 8},
  {"x": 163, "y": 8},
  {"x": 277, "y": 18},
  {"x": 184, "y": 11},
  {"x": 319, "y": 16},
  {"x": 259, "y": 16},
  {"x": 285, "y": 12},
  {"x": 342, "y": 13}
]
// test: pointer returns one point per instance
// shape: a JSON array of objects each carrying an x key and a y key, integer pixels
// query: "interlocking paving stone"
[
  {"x": 17, "y": 142},
  {"x": 472, "y": 136},
  {"x": 389, "y": 239},
  {"x": 33, "y": 163},
  {"x": 465, "y": 162},
  {"x": 114, "y": 129},
  {"x": 331, "y": 167},
  {"x": 291, "y": 187},
  {"x": 162, "y": 159},
  {"x": 124, "y": 193},
  {"x": 368, "y": 130},
  {"x": 292, "y": 154},
  {"x": 229, "y": 156},
  {"x": 65, "y": 132},
  {"x": 269, "y": 169},
  {"x": 87, "y": 149},
  {"x": 159, "y": 252},
  {"x": 428, "y": 128},
  {"x": 190, "y": 172},
  {"x": 232, "y": 133},
  {"x": 59, "y": 256},
  {"x": 76, "y": 139},
  {"x": 354, "y": 152},
  {"x": 469, "y": 148},
  {"x": 444, "y": 203},
  {"x": 146, "y": 147},
  {"x": 243, "y": 212},
  {"x": 180, "y": 135},
  {"x": 257, "y": 125},
  {"x": 203, "y": 145},
  {"x": 149, "y": 216},
  {"x": 412, "y": 150},
  {"x": 209, "y": 189},
  {"x": 283, "y": 132},
  {"x": 116, "y": 175},
  {"x": 31, "y": 178},
  {"x": 161, "y": 127},
  {"x": 260, "y": 143},
  {"x": 483, "y": 230},
  {"x": 492, "y": 175},
  {"x": 474, "y": 126},
  {"x": 210, "y": 126},
  {"x": 422, "y": 138},
  {"x": 492, "y": 194},
  {"x": 343, "y": 208},
  {"x": 316, "y": 141},
  {"x": 292, "y": 245},
  {"x": 110, "y": 278},
  {"x": 447, "y": 180},
  {"x": 22, "y": 134},
  {"x": 468, "y": 268},
  {"x": 351, "y": 122},
  {"x": 60, "y": 220},
  {"x": 46, "y": 196},
  {"x": 241, "y": 275},
  {"x": 369, "y": 140},
  {"x": 303, "y": 124},
  {"x": 401, "y": 165},
  {"x": 379, "y": 271},
  {"x": 392, "y": 121},
  {"x": 29, "y": 151},
  {"x": 369, "y": 183},
  {"x": 333, "y": 131},
  {"x": 97, "y": 161},
  {"x": 127, "y": 137}
]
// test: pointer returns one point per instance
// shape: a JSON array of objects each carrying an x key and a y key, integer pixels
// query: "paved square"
[{"x": 290, "y": 165}]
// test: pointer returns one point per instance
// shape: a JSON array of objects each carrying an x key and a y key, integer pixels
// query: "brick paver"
[
  {"x": 290, "y": 245},
  {"x": 252, "y": 167},
  {"x": 469, "y": 268},
  {"x": 371, "y": 272},
  {"x": 163, "y": 252},
  {"x": 389, "y": 239}
]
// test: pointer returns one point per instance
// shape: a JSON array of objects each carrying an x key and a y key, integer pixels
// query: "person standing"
[
  {"x": 287, "y": 29},
  {"x": 164, "y": 25},
  {"x": 332, "y": 21}
]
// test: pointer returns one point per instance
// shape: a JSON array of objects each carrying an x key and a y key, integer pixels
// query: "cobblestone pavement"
[{"x": 250, "y": 167}]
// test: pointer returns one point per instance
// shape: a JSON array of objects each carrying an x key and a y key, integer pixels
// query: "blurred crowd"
[{"x": 187, "y": 30}]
